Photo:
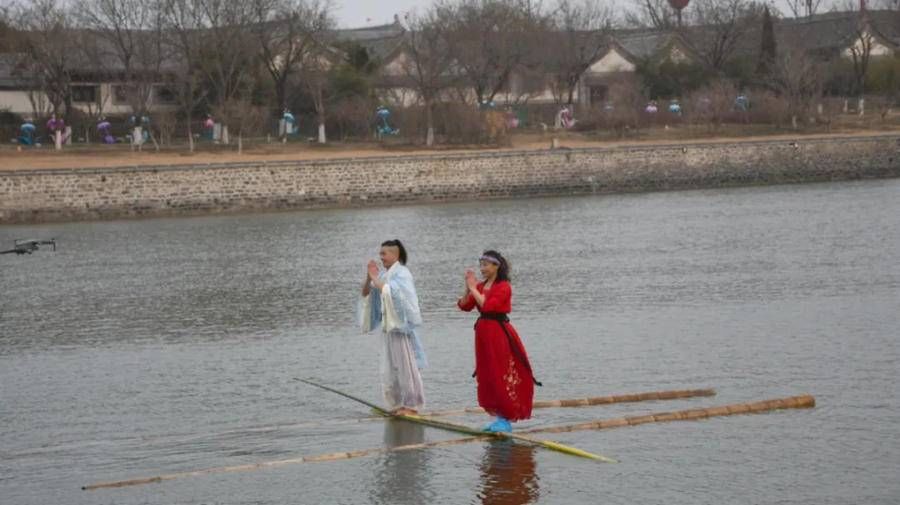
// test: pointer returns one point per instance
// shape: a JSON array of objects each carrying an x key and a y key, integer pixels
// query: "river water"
[{"x": 143, "y": 348}]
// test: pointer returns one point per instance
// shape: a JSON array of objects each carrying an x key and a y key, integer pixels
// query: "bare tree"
[
  {"x": 183, "y": 24},
  {"x": 46, "y": 41},
  {"x": 580, "y": 34},
  {"x": 721, "y": 26},
  {"x": 227, "y": 54},
  {"x": 245, "y": 117},
  {"x": 629, "y": 99},
  {"x": 316, "y": 64},
  {"x": 803, "y": 8},
  {"x": 713, "y": 103},
  {"x": 799, "y": 79},
  {"x": 656, "y": 14},
  {"x": 860, "y": 55},
  {"x": 828, "y": 110},
  {"x": 8, "y": 35},
  {"x": 91, "y": 55},
  {"x": 429, "y": 65},
  {"x": 489, "y": 39},
  {"x": 286, "y": 30},
  {"x": 862, "y": 41},
  {"x": 131, "y": 35}
]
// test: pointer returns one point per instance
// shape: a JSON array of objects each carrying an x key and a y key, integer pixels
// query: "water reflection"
[
  {"x": 402, "y": 476},
  {"x": 508, "y": 474}
]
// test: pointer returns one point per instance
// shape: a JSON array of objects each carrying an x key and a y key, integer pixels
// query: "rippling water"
[{"x": 153, "y": 347}]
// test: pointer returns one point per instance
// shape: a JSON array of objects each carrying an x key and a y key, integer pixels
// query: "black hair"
[
  {"x": 396, "y": 243},
  {"x": 503, "y": 268}
]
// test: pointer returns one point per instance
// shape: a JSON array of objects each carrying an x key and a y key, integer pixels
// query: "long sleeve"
[
  {"x": 467, "y": 303},
  {"x": 368, "y": 311},
  {"x": 401, "y": 291},
  {"x": 498, "y": 298}
]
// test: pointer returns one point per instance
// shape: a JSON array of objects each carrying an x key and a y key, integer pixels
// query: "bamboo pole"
[
  {"x": 333, "y": 456},
  {"x": 677, "y": 394},
  {"x": 541, "y": 404},
  {"x": 794, "y": 402},
  {"x": 459, "y": 428}
]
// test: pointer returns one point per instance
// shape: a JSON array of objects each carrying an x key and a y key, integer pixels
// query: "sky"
[{"x": 357, "y": 13}]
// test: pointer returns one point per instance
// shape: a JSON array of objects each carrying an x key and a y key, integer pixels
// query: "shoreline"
[
  {"x": 97, "y": 157},
  {"x": 39, "y": 195}
]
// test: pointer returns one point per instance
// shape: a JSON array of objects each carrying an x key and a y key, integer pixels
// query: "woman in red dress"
[{"x": 505, "y": 380}]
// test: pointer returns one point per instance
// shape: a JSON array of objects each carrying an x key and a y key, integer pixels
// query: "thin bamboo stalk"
[
  {"x": 333, "y": 456},
  {"x": 794, "y": 402},
  {"x": 541, "y": 404},
  {"x": 592, "y": 401},
  {"x": 459, "y": 428}
]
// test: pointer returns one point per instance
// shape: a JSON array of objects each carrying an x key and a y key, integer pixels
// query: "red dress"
[{"x": 505, "y": 380}]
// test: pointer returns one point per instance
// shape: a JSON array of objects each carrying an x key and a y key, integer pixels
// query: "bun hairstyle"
[
  {"x": 399, "y": 245},
  {"x": 503, "y": 266}
]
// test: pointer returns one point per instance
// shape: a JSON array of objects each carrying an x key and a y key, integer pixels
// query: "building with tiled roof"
[
  {"x": 621, "y": 52},
  {"x": 830, "y": 35}
]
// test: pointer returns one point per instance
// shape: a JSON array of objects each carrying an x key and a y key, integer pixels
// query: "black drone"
[{"x": 28, "y": 246}]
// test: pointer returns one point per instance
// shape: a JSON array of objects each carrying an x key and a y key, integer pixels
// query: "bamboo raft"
[
  {"x": 678, "y": 394},
  {"x": 459, "y": 428},
  {"x": 794, "y": 402}
]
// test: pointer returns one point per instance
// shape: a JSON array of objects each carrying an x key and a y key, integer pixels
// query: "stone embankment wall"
[{"x": 105, "y": 193}]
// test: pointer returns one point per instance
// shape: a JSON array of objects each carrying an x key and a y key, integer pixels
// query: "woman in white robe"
[{"x": 389, "y": 300}]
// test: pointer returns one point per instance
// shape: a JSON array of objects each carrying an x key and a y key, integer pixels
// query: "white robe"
[{"x": 396, "y": 309}]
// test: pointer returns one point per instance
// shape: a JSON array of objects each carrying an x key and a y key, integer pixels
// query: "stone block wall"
[{"x": 106, "y": 193}]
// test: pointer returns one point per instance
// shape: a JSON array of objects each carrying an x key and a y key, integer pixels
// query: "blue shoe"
[{"x": 500, "y": 425}]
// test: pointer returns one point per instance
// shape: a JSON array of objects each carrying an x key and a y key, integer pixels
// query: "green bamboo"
[{"x": 459, "y": 428}]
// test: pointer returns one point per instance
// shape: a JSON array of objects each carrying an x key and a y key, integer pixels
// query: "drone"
[{"x": 28, "y": 246}]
